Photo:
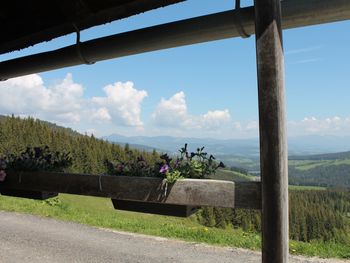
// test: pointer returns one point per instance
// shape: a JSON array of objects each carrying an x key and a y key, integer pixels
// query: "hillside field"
[{"x": 99, "y": 212}]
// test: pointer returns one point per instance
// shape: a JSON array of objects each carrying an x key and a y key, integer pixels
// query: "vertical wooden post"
[{"x": 273, "y": 145}]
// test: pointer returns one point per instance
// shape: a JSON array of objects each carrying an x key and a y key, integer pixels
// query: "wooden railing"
[{"x": 186, "y": 192}]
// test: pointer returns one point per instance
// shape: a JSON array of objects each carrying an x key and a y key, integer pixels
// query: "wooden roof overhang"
[
  {"x": 227, "y": 24},
  {"x": 26, "y": 23}
]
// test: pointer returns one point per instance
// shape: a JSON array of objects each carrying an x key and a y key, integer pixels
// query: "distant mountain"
[
  {"x": 245, "y": 147},
  {"x": 305, "y": 145},
  {"x": 322, "y": 157},
  {"x": 318, "y": 144}
]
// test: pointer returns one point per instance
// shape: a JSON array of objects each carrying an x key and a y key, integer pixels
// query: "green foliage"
[
  {"x": 207, "y": 217},
  {"x": 173, "y": 176},
  {"x": 55, "y": 201},
  {"x": 230, "y": 175},
  {"x": 327, "y": 170},
  {"x": 195, "y": 164},
  {"x": 38, "y": 159},
  {"x": 132, "y": 163},
  {"x": 320, "y": 157},
  {"x": 326, "y": 175},
  {"x": 187, "y": 165},
  {"x": 87, "y": 153},
  {"x": 313, "y": 215}
]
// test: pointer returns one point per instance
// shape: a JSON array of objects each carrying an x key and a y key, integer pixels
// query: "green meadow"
[{"x": 99, "y": 212}]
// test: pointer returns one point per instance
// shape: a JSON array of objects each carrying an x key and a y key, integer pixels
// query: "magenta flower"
[
  {"x": 2, "y": 175},
  {"x": 164, "y": 169}
]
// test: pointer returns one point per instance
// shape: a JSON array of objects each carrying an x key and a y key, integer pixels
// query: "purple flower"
[
  {"x": 2, "y": 175},
  {"x": 164, "y": 169}
]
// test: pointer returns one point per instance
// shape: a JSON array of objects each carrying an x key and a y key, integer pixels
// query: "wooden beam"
[
  {"x": 155, "y": 208},
  {"x": 296, "y": 13},
  {"x": 191, "y": 192},
  {"x": 273, "y": 145}
]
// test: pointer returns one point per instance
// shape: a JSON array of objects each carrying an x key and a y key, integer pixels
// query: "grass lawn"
[
  {"x": 99, "y": 212},
  {"x": 306, "y": 187},
  {"x": 304, "y": 165},
  {"x": 228, "y": 175}
]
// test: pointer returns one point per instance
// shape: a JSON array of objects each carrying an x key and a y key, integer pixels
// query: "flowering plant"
[
  {"x": 35, "y": 159},
  {"x": 131, "y": 164},
  {"x": 187, "y": 165}
]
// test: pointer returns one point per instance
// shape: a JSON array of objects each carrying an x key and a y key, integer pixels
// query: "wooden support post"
[{"x": 273, "y": 146}]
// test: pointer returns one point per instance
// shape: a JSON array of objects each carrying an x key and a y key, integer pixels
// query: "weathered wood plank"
[
  {"x": 192, "y": 192},
  {"x": 30, "y": 194},
  {"x": 273, "y": 145},
  {"x": 155, "y": 208}
]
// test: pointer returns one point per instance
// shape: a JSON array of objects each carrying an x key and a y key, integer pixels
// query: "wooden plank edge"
[{"x": 191, "y": 192}]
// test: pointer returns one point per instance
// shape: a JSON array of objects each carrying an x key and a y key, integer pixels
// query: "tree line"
[
  {"x": 88, "y": 153},
  {"x": 313, "y": 215},
  {"x": 337, "y": 175}
]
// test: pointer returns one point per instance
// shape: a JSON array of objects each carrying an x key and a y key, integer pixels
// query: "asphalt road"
[{"x": 26, "y": 238}]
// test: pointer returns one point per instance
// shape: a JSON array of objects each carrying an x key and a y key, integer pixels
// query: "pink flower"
[
  {"x": 2, "y": 175},
  {"x": 164, "y": 169}
]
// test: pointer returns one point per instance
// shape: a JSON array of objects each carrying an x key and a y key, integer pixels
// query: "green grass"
[
  {"x": 99, "y": 212},
  {"x": 304, "y": 165},
  {"x": 303, "y": 187},
  {"x": 229, "y": 175}
]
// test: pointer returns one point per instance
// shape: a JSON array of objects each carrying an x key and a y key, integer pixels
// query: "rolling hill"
[{"x": 331, "y": 170}]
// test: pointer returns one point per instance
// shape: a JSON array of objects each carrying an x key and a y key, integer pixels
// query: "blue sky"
[{"x": 203, "y": 90}]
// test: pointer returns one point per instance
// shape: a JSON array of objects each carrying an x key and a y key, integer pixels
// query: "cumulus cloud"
[
  {"x": 311, "y": 125},
  {"x": 173, "y": 113},
  {"x": 63, "y": 102},
  {"x": 29, "y": 96},
  {"x": 122, "y": 103},
  {"x": 215, "y": 119},
  {"x": 101, "y": 114}
]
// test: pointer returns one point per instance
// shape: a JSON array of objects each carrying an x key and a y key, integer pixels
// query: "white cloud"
[
  {"x": 101, "y": 114},
  {"x": 327, "y": 126},
  {"x": 122, "y": 103},
  {"x": 215, "y": 119},
  {"x": 173, "y": 113},
  {"x": 64, "y": 104},
  {"x": 29, "y": 96}
]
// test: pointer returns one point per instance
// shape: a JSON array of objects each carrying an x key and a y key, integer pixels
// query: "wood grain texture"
[
  {"x": 273, "y": 145},
  {"x": 191, "y": 192}
]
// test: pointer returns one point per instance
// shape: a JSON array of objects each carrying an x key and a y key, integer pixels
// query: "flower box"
[
  {"x": 154, "y": 208},
  {"x": 131, "y": 193},
  {"x": 37, "y": 195}
]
